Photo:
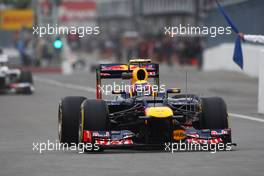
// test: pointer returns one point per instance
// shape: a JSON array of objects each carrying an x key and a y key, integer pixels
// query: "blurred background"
[{"x": 128, "y": 29}]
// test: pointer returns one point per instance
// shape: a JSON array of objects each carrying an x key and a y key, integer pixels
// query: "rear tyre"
[
  {"x": 26, "y": 77},
  {"x": 94, "y": 117},
  {"x": 68, "y": 119},
  {"x": 214, "y": 115}
]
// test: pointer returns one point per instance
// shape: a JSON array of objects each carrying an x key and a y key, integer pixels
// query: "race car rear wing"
[{"x": 115, "y": 71}]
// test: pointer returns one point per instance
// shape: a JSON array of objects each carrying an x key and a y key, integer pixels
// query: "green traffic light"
[{"x": 57, "y": 44}]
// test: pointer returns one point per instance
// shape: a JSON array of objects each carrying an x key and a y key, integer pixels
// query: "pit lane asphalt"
[{"x": 28, "y": 119}]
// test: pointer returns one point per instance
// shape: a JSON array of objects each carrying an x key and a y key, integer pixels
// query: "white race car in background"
[{"x": 14, "y": 80}]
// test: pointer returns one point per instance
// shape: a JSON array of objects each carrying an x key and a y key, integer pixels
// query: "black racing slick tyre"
[
  {"x": 214, "y": 114},
  {"x": 68, "y": 119},
  {"x": 94, "y": 117},
  {"x": 26, "y": 77}
]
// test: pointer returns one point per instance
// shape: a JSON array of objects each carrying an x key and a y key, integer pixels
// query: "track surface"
[{"x": 28, "y": 119}]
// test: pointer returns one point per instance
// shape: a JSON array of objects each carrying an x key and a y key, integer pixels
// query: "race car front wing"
[{"x": 126, "y": 138}]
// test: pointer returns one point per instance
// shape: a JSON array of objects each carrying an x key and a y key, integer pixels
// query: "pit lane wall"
[{"x": 220, "y": 57}]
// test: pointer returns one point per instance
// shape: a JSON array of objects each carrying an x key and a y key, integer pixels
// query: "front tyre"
[
  {"x": 94, "y": 117},
  {"x": 214, "y": 115},
  {"x": 68, "y": 119}
]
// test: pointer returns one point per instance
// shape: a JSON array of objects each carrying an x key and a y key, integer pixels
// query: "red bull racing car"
[{"x": 141, "y": 117}]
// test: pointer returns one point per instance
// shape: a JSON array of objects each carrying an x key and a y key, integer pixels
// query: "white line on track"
[
  {"x": 246, "y": 117},
  {"x": 64, "y": 85},
  {"x": 92, "y": 90}
]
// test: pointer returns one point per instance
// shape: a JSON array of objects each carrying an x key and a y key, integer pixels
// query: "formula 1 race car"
[
  {"x": 141, "y": 117},
  {"x": 14, "y": 80}
]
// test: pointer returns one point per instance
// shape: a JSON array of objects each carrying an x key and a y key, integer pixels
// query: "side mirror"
[{"x": 174, "y": 90}]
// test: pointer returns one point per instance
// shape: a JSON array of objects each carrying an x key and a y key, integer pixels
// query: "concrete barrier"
[
  {"x": 221, "y": 58},
  {"x": 261, "y": 84}
]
